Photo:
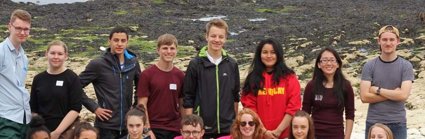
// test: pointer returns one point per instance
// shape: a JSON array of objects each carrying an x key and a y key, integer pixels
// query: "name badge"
[
  {"x": 318, "y": 98},
  {"x": 59, "y": 83},
  {"x": 173, "y": 86}
]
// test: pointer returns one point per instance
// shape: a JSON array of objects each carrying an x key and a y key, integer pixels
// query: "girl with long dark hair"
[
  {"x": 272, "y": 89},
  {"x": 328, "y": 95}
]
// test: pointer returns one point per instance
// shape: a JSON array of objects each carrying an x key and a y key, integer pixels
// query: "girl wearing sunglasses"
[{"x": 247, "y": 125}]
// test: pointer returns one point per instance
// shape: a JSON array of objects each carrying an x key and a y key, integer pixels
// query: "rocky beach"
[{"x": 302, "y": 26}]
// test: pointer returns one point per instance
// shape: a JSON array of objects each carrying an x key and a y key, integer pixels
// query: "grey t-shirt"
[{"x": 388, "y": 75}]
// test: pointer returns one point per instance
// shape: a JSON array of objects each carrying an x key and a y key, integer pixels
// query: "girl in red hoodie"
[{"x": 272, "y": 89}]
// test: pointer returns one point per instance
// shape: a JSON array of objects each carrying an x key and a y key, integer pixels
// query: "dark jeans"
[
  {"x": 12, "y": 130},
  {"x": 111, "y": 134},
  {"x": 399, "y": 129},
  {"x": 164, "y": 134}
]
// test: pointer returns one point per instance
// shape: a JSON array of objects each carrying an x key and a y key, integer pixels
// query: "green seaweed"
[
  {"x": 137, "y": 43},
  {"x": 158, "y": 1},
  {"x": 184, "y": 51},
  {"x": 285, "y": 9},
  {"x": 120, "y": 12}
]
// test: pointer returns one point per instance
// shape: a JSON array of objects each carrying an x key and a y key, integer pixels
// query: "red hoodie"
[{"x": 274, "y": 101}]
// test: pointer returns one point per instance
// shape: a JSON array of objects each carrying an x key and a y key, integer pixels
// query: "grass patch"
[
  {"x": 421, "y": 31},
  {"x": 86, "y": 37},
  {"x": 84, "y": 51},
  {"x": 64, "y": 32},
  {"x": 230, "y": 40},
  {"x": 36, "y": 69},
  {"x": 137, "y": 43},
  {"x": 184, "y": 51},
  {"x": 158, "y": 1},
  {"x": 120, "y": 12},
  {"x": 137, "y": 11},
  {"x": 285, "y": 9},
  {"x": 3, "y": 27},
  {"x": 288, "y": 9},
  {"x": 39, "y": 42},
  {"x": 264, "y": 10},
  {"x": 38, "y": 29},
  {"x": 81, "y": 30}
]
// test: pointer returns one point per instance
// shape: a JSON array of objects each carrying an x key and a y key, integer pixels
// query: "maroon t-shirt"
[
  {"x": 163, "y": 90},
  {"x": 327, "y": 116}
]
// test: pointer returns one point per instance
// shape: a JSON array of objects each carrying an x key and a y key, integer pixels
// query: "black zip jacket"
[
  {"x": 113, "y": 87},
  {"x": 211, "y": 90}
]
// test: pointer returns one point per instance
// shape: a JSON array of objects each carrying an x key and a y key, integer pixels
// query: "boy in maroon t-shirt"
[{"x": 161, "y": 94}]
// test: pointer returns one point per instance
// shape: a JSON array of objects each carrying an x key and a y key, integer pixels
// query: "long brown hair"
[
  {"x": 259, "y": 131},
  {"x": 301, "y": 113}
]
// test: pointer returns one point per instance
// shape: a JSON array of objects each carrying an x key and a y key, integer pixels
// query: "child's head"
[
  {"x": 302, "y": 126},
  {"x": 37, "y": 129},
  {"x": 216, "y": 34},
  {"x": 247, "y": 124},
  {"x": 192, "y": 127},
  {"x": 85, "y": 130},
  {"x": 380, "y": 131},
  {"x": 136, "y": 119}
]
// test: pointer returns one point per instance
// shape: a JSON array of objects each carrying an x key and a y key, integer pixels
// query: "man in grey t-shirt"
[{"x": 386, "y": 85}]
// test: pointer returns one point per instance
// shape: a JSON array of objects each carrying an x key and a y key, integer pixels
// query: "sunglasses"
[{"x": 250, "y": 123}]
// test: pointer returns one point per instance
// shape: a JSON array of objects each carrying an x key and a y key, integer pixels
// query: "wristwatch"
[
  {"x": 146, "y": 130},
  {"x": 378, "y": 91}
]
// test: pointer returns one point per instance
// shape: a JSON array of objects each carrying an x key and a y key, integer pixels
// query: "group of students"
[{"x": 163, "y": 102}]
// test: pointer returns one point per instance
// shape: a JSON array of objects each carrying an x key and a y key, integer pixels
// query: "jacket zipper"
[
  {"x": 121, "y": 111},
  {"x": 121, "y": 100},
  {"x": 218, "y": 98}
]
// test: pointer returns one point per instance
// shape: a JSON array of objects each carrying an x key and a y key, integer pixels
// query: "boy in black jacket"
[
  {"x": 113, "y": 76},
  {"x": 212, "y": 82}
]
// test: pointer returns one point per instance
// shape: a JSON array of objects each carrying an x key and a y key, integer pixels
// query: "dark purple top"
[{"x": 327, "y": 116}]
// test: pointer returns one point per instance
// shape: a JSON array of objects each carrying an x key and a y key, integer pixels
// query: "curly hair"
[
  {"x": 37, "y": 124},
  {"x": 235, "y": 130}
]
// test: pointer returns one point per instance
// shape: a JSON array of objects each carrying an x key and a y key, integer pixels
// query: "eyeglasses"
[
  {"x": 327, "y": 61},
  {"x": 20, "y": 29},
  {"x": 188, "y": 133},
  {"x": 250, "y": 123}
]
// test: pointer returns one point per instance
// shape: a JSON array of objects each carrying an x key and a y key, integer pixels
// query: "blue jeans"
[{"x": 399, "y": 129}]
